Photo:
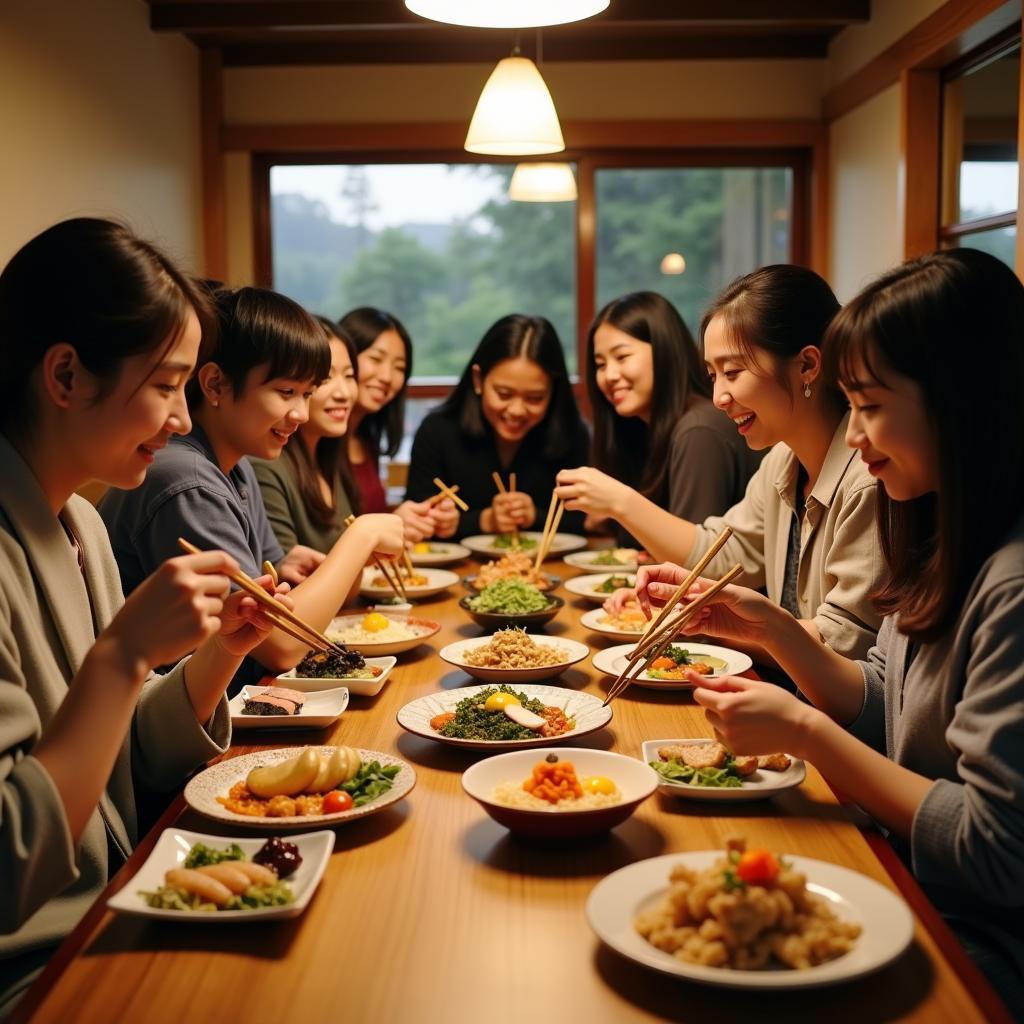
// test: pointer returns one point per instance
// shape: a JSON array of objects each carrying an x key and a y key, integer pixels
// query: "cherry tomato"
[
  {"x": 757, "y": 867},
  {"x": 337, "y": 800}
]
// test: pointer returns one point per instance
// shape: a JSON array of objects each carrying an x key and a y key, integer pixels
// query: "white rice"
[
  {"x": 512, "y": 794},
  {"x": 357, "y": 635}
]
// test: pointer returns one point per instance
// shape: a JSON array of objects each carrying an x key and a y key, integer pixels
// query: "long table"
[{"x": 429, "y": 911}]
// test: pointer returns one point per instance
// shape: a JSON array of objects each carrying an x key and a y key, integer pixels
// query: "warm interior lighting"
[
  {"x": 515, "y": 115},
  {"x": 673, "y": 263},
  {"x": 506, "y": 13},
  {"x": 542, "y": 183}
]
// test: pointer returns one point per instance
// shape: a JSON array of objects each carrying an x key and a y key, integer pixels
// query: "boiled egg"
[
  {"x": 375, "y": 622},
  {"x": 599, "y": 784},
  {"x": 500, "y": 701}
]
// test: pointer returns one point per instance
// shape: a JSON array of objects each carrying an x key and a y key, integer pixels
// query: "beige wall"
[{"x": 99, "y": 117}]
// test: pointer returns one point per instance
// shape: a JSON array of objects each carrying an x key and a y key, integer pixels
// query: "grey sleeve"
[
  {"x": 700, "y": 474},
  {"x": 970, "y": 833},
  {"x": 869, "y": 725},
  {"x": 167, "y": 741},
  {"x": 275, "y": 501}
]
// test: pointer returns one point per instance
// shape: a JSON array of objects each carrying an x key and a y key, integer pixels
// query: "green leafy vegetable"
[
  {"x": 200, "y": 855},
  {"x": 370, "y": 782},
  {"x": 510, "y": 596},
  {"x": 713, "y": 778},
  {"x": 514, "y": 540}
]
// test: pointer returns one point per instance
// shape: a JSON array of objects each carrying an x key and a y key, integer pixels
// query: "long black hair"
[
  {"x": 518, "y": 336},
  {"x": 93, "y": 284},
  {"x": 380, "y": 431},
  {"x": 624, "y": 446},
  {"x": 925, "y": 321}
]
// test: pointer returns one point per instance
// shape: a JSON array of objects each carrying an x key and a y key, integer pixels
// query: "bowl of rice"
[
  {"x": 570, "y": 794},
  {"x": 511, "y": 602},
  {"x": 514, "y": 656},
  {"x": 379, "y": 635}
]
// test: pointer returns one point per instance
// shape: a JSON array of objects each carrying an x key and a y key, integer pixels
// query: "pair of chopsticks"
[
  {"x": 496, "y": 477},
  {"x": 448, "y": 492},
  {"x": 556, "y": 508},
  {"x": 283, "y": 618},
  {"x": 663, "y": 629},
  {"x": 394, "y": 583}
]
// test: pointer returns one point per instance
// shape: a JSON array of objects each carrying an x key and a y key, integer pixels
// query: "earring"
[{"x": 807, "y": 389}]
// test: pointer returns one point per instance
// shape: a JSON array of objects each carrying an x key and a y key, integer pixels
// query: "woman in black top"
[{"x": 513, "y": 411}]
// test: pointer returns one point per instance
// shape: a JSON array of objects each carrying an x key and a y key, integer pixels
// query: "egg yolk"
[
  {"x": 423, "y": 548},
  {"x": 375, "y": 622},
  {"x": 598, "y": 784},
  {"x": 500, "y": 701}
]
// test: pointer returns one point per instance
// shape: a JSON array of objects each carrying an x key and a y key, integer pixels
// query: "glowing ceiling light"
[
  {"x": 673, "y": 263},
  {"x": 542, "y": 183},
  {"x": 506, "y": 13}
]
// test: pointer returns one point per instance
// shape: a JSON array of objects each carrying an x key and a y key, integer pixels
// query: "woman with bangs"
[
  {"x": 925, "y": 733},
  {"x": 659, "y": 442},
  {"x": 99, "y": 332},
  {"x": 250, "y": 394},
  {"x": 804, "y": 530},
  {"x": 307, "y": 491}
]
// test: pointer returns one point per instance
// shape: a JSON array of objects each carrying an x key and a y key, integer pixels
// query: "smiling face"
[
  {"x": 891, "y": 429},
  {"x": 260, "y": 420},
  {"x": 332, "y": 402},
  {"x": 750, "y": 394},
  {"x": 624, "y": 368},
  {"x": 514, "y": 397},
  {"x": 116, "y": 437},
  {"x": 382, "y": 369}
]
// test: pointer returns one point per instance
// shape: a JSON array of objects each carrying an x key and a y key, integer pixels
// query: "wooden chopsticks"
[
  {"x": 449, "y": 492},
  {"x": 441, "y": 495},
  {"x": 283, "y": 618},
  {"x": 395, "y": 584},
  {"x": 556, "y": 508},
  {"x": 496, "y": 477}
]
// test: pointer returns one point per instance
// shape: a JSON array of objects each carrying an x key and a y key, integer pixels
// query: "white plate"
[
  {"x": 171, "y": 850},
  {"x": 424, "y": 628},
  {"x": 758, "y": 786},
  {"x": 612, "y": 660},
  {"x": 483, "y": 544},
  {"x": 358, "y": 687},
  {"x": 585, "y": 560},
  {"x": 320, "y": 709},
  {"x": 888, "y": 925},
  {"x": 437, "y": 580},
  {"x": 202, "y": 791},
  {"x": 574, "y": 651},
  {"x": 442, "y": 553},
  {"x": 583, "y": 707},
  {"x": 592, "y": 620},
  {"x": 585, "y": 585}
]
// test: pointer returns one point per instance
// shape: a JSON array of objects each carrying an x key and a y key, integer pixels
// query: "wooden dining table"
[{"x": 430, "y": 911}]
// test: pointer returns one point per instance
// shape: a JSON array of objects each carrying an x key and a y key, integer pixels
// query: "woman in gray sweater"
[{"x": 926, "y": 732}]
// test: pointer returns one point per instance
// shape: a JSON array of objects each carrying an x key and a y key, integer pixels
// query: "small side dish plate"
[
  {"x": 423, "y": 629},
  {"x": 587, "y": 561},
  {"x": 587, "y": 585},
  {"x": 440, "y": 553},
  {"x": 319, "y": 709},
  {"x": 356, "y": 687},
  {"x": 612, "y": 660}
]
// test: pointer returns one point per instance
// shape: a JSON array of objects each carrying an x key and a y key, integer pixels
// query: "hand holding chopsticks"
[
  {"x": 282, "y": 617},
  {"x": 394, "y": 583}
]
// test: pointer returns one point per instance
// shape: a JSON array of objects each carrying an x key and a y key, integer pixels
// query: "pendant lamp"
[
  {"x": 506, "y": 13},
  {"x": 542, "y": 183},
  {"x": 673, "y": 263}
]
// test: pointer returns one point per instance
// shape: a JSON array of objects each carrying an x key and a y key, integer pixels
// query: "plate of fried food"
[
  {"x": 422, "y": 582},
  {"x": 514, "y": 656},
  {"x": 514, "y": 565},
  {"x": 704, "y": 769},
  {"x": 750, "y": 918}
]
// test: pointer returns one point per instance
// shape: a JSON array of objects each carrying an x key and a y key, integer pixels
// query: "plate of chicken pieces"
[{"x": 704, "y": 769}]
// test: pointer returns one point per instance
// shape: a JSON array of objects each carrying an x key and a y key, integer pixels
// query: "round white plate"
[
  {"x": 583, "y": 707},
  {"x": 440, "y": 553},
  {"x": 592, "y": 620},
  {"x": 612, "y": 660},
  {"x": 585, "y": 560},
  {"x": 202, "y": 791},
  {"x": 319, "y": 710},
  {"x": 483, "y": 544},
  {"x": 424, "y": 628},
  {"x": 358, "y": 687},
  {"x": 888, "y": 925},
  {"x": 758, "y": 786},
  {"x": 437, "y": 580},
  {"x": 586, "y": 585},
  {"x": 173, "y": 847},
  {"x": 574, "y": 651}
]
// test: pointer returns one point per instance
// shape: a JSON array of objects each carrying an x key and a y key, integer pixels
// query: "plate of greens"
[
  {"x": 485, "y": 717},
  {"x": 598, "y": 587},
  {"x": 511, "y": 602},
  {"x": 703, "y": 769}
]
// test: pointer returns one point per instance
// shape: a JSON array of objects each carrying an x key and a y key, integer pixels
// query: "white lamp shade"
[
  {"x": 673, "y": 263},
  {"x": 515, "y": 115},
  {"x": 506, "y": 13},
  {"x": 542, "y": 183}
]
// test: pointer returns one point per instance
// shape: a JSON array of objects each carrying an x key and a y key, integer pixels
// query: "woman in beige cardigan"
[{"x": 99, "y": 333}]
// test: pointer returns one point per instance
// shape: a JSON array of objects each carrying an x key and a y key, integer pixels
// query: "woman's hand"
[
  {"x": 620, "y": 600},
  {"x": 594, "y": 492},
  {"x": 753, "y": 717},
  {"x": 243, "y": 621},
  {"x": 299, "y": 563},
  {"x": 385, "y": 532},
  {"x": 734, "y": 613},
  {"x": 418, "y": 520},
  {"x": 445, "y": 517},
  {"x": 512, "y": 511},
  {"x": 174, "y": 610}
]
